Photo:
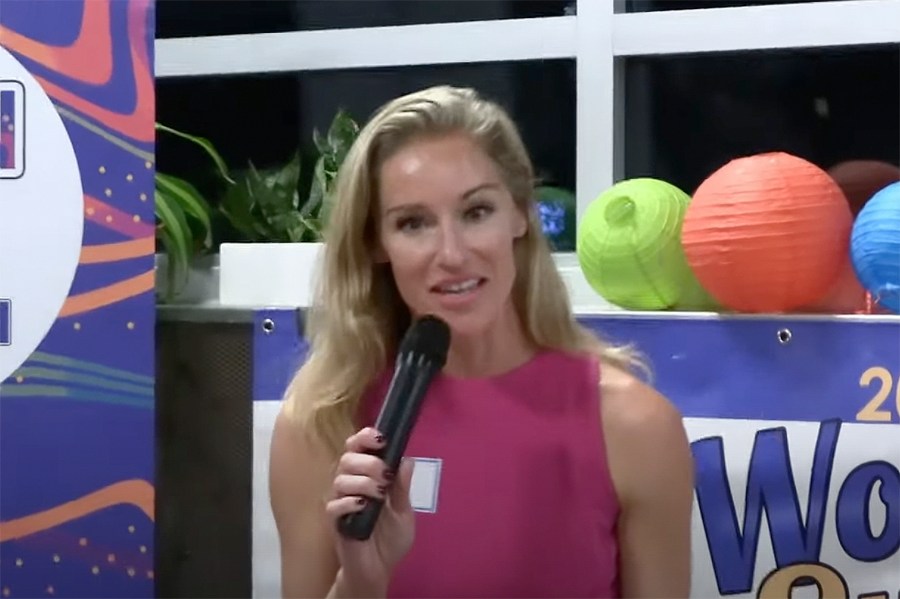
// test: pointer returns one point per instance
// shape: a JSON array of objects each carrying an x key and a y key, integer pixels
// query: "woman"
[{"x": 561, "y": 473}]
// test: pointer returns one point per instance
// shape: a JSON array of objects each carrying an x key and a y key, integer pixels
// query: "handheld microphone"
[{"x": 422, "y": 354}]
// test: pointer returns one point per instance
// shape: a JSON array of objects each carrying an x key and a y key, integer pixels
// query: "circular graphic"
[{"x": 41, "y": 214}]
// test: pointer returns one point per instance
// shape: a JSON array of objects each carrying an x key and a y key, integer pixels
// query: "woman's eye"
[
  {"x": 477, "y": 213},
  {"x": 410, "y": 223}
]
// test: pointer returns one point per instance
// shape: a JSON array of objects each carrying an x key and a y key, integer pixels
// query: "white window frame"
[{"x": 599, "y": 38}]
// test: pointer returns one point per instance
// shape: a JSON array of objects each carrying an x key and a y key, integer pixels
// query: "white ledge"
[{"x": 811, "y": 25}]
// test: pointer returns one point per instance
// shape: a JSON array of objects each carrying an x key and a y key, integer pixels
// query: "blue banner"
[
  {"x": 279, "y": 349},
  {"x": 770, "y": 369},
  {"x": 794, "y": 425},
  {"x": 795, "y": 430}
]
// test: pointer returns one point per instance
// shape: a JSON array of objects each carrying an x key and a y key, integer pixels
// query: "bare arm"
[
  {"x": 301, "y": 483},
  {"x": 299, "y": 477},
  {"x": 653, "y": 472}
]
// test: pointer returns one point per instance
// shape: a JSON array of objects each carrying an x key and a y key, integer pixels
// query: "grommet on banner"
[
  {"x": 784, "y": 336},
  {"x": 268, "y": 326}
]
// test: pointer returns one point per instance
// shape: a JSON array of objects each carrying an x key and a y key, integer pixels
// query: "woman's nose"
[{"x": 452, "y": 249}]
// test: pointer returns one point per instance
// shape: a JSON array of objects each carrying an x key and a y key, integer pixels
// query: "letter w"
[{"x": 770, "y": 487}]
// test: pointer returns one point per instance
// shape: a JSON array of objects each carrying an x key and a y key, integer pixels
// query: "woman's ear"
[
  {"x": 520, "y": 225},
  {"x": 522, "y": 229}
]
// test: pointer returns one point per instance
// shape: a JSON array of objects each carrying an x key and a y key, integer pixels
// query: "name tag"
[{"x": 426, "y": 480}]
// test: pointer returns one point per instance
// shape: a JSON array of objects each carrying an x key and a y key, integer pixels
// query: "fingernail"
[
  {"x": 360, "y": 500},
  {"x": 379, "y": 437},
  {"x": 389, "y": 474}
]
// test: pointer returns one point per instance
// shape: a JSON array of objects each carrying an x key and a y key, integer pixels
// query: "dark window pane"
[
  {"x": 653, "y": 5},
  {"x": 686, "y": 116},
  {"x": 264, "y": 118},
  {"x": 188, "y": 18}
]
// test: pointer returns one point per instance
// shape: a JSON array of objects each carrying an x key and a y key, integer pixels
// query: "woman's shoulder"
[
  {"x": 644, "y": 430},
  {"x": 633, "y": 406}
]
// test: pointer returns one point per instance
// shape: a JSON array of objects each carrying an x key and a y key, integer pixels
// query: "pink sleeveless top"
[{"x": 523, "y": 505}]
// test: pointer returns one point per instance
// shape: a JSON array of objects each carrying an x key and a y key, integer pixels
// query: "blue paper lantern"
[{"x": 875, "y": 247}]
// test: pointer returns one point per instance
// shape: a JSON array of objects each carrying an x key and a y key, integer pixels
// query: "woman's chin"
[{"x": 468, "y": 326}]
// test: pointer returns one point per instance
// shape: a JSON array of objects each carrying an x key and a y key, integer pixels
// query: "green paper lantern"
[{"x": 629, "y": 248}]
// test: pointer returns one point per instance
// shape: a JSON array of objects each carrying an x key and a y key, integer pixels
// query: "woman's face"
[{"x": 446, "y": 224}]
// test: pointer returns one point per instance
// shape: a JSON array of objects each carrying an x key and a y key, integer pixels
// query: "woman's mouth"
[{"x": 459, "y": 287}]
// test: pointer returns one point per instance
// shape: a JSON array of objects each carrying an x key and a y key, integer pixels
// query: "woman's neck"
[{"x": 503, "y": 347}]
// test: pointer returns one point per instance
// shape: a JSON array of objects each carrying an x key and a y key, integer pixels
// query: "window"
[
  {"x": 661, "y": 92},
  {"x": 687, "y": 115},
  {"x": 264, "y": 118}
]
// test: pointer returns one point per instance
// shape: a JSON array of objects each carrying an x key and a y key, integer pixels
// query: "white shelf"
[{"x": 810, "y": 25}]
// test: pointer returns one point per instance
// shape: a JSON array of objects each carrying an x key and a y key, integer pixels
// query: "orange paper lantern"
[
  {"x": 846, "y": 294},
  {"x": 767, "y": 233}
]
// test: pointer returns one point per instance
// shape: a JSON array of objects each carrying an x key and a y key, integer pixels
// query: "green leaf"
[
  {"x": 274, "y": 195},
  {"x": 203, "y": 143},
  {"x": 317, "y": 190},
  {"x": 176, "y": 236},
  {"x": 320, "y": 142},
  {"x": 294, "y": 227},
  {"x": 286, "y": 181},
  {"x": 237, "y": 206},
  {"x": 190, "y": 201},
  {"x": 341, "y": 135},
  {"x": 173, "y": 268},
  {"x": 266, "y": 205},
  {"x": 325, "y": 213},
  {"x": 313, "y": 229}
]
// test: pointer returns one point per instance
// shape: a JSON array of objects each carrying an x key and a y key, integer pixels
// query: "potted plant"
[
  {"x": 282, "y": 228},
  {"x": 184, "y": 232}
]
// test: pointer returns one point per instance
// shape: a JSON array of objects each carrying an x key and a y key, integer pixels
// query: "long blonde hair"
[{"x": 358, "y": 317}]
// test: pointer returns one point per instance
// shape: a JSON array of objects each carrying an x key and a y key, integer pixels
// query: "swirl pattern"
[{"x": 77, "y": 433}]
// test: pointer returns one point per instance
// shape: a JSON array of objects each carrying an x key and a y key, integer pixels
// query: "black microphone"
[{"x": 422, "y": 354}]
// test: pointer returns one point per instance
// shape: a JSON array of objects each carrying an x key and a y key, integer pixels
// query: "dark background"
[{"x": 686, "y": 115}]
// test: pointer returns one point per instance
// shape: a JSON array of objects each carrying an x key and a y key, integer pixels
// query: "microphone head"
[{"x": 428, "y": 337}]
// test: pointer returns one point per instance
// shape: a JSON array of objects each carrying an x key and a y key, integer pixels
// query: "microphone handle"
[{"x": 359, "y": 525}]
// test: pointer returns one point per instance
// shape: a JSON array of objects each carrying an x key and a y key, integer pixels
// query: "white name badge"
[{"x": 426, "y": 480}]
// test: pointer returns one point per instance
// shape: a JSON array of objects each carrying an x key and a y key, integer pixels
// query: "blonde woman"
[{"x": 552, "y": 469}]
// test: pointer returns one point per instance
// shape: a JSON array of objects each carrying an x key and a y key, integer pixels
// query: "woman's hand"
[{"x": 367, "y": 566}]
